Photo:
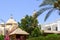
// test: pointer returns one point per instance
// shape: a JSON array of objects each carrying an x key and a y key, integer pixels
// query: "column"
[{"x": 51, "y": 28}]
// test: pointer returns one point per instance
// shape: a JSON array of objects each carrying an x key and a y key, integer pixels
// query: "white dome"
[
  {"x": 34, "y": 13},
  {"x": 11, "y": 20},
  {"x": 2, "y": 23}
]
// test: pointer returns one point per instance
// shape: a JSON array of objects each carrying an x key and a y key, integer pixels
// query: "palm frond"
[
  {"x": 48, "y": 14},
  {"x": 42, "y": 10},
  {"x": 59, "y": 12},
  {"x": 47, "y": 2}
]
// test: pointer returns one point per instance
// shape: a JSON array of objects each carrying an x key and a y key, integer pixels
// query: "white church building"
[{"x": 51, "y": 27}]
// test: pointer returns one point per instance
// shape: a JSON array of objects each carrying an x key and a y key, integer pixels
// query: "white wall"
[
  {"x": 52, "y": 26},
  {"x": 58, "y": 24}
]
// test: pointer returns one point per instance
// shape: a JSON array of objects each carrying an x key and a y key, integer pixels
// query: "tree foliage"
[
  {"x": 36, "y": 32},
  {"x": 28, "y": 23},
  {"x": 53, "y": 6},
  {"x": 1, "y": 37},
  {"x": 47, "y": 2},
  {"x": 47, "y": 37}
]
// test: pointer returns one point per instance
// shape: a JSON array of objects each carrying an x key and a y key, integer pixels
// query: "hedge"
[{"x": 48, "y": 37}]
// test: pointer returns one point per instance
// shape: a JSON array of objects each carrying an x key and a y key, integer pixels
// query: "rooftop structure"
[
  {"x": 12, "y": 27},
  {"x": 51, "y": 27}
]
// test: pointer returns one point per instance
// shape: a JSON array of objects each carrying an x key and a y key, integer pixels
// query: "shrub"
[
  {"x": 48, "y": 37},
  {"x": 1, "y": 37}
]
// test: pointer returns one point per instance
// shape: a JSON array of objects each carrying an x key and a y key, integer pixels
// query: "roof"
[
  {"x": 19, "y": 31},
  {"x": 47, "y": 31},
  {"x": 11, "y": 20}
]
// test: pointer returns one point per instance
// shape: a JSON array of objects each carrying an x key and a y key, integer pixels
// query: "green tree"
[
  {"x": 53, "y": 6},
  {"x": 1, "y": 37},
  {"x": 36, "y": 32},
  {"x": 28, "y": 23}
]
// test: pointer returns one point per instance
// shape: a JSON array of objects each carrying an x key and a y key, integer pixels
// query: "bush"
[
  {"x": 1, "y": 37},
  {"x": 37, "y": 38},
  {"x": 35, "y": 32},
  {"x": 52, "y": 37},
  {"x": 48, "y": 37}
]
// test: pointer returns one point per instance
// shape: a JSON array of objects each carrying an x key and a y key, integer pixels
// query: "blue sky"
[{"x": 20, "y": 8}]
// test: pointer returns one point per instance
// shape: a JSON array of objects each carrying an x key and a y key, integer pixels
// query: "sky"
[{"x": 21, "y": 8}]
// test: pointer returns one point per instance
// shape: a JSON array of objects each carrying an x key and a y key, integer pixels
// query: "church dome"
[{"x": 11, "y": 20}]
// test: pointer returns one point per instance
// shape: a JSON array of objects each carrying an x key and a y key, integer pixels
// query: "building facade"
[
  {"x": 10, "y": 25},
  {"x": 51, "y": 27},
  {"x": 14, "y": 32}
]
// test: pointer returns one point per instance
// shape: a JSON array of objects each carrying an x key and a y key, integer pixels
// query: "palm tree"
[
  {"x": 54, "y": 5},
  {"x": 47, "y": 2}
]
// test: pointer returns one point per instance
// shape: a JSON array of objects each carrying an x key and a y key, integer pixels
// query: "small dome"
[
  {"x": 34, "y": 13},
  {"x": 11, "y": 20},
  {"x": 2, "y": 23}
]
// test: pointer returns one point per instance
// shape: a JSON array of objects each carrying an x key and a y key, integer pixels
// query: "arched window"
[
  {"x": 48, "y": 28},
  {"x": 56, "y": 29}
]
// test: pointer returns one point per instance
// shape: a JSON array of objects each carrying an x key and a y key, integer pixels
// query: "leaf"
[
  {"x": 47, "y": 2},
  {"x": 42, "y": 10},
  {"x": 48, "y": 14},
  {"x": 59, "y": 12}
]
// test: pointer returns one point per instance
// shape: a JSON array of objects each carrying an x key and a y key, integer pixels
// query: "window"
[
  {"x": 49, "y": 28},
  {"x": 3, "y": 25},
  {"x": 17, "y": 36},
  {"x": 9, "y": 24},
  {"x": 56, "y": 28}
]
